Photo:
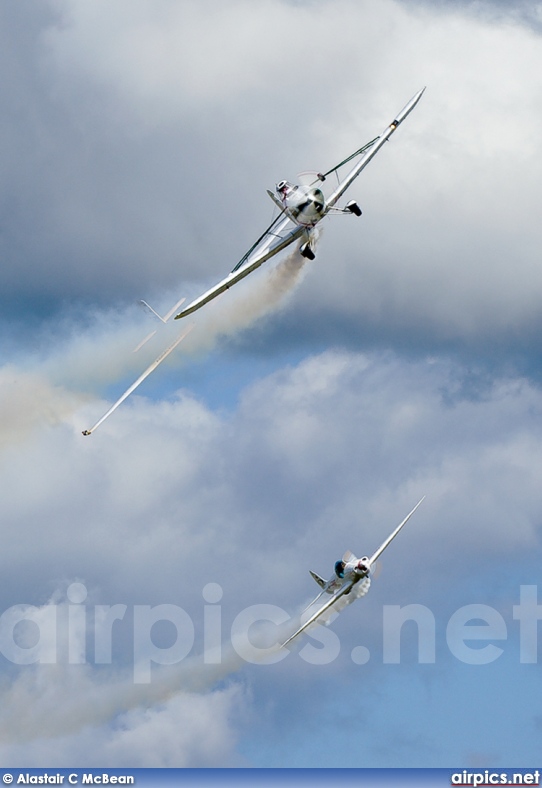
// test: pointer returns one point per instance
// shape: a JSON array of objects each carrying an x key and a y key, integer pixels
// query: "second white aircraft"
[{"x": 350, "y": 581}]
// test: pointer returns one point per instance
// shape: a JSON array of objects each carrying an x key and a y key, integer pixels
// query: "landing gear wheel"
[
  {"x": 306, "y": 251},
  {"x": 353, "y": 207}
]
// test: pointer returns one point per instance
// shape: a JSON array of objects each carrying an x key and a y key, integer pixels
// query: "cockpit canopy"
[{"x": 285, "y": 188}]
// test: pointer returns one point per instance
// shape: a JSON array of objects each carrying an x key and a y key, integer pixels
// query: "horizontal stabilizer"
[
  {"x": 163, "y": 319},
  {"x": 320, "y": 580},
  {"x": 167, "y": 315},
  {"x": 275, "y": 200}
]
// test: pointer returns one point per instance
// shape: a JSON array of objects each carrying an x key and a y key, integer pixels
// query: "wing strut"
[
  {"x": 268, "y": 249},
  {"x": 273, "y": 224},
  {"x": 372, "y": 150},
  {"x": 323, "y": 175}
]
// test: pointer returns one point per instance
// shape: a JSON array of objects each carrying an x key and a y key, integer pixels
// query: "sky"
[{"x": 148, "y": 569}]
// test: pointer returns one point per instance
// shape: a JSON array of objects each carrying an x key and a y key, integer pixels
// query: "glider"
[
  {"x": 301, "y": 208},
  {"x": 350, "y": 581}
]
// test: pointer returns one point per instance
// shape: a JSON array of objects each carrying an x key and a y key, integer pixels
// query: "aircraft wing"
[
  {"x": 280, "y": 234},
  {"x": 344, "y": 590},
  {"x": 370, "y": 152},
  {"x": 392, "y": 536}
]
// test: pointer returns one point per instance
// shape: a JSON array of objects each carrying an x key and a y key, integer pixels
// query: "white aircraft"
[
  {"x": 351, "y": 580},
  {"x": 301, "y": 208}
]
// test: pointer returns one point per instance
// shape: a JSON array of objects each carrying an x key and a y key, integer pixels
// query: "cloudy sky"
[{"x": 306, "y": 412}]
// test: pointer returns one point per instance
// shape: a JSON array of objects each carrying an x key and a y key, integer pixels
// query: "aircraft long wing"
[
  {"x": 163, "y": 355},
  {"x": 344, "y": 590},
  {"x": 392, "y": 536},
  {"x": 280, "y": 234}
]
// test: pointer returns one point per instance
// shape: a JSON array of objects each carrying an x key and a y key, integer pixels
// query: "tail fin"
[
  {"x": 163, "y": 319},
  {"x": 320, "y": 580},
  {"x": 167, "y": 315}
]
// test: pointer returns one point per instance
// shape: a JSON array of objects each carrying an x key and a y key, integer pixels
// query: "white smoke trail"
[
  {"x": 59, "y": 700},
  {"x": 102, "y": 354},
  {"x": 238, "y": 309},
  {"x": 28, "y": 400},
  {"x": 75, "y": 369},
  {"x": 99, "y": 354},
  {"x": 56, "y": 700}
]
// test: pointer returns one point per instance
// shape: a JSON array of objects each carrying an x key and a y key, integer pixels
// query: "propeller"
[
  {"x": 308, "y": 178},
  {"x": 376, "y": 569}
]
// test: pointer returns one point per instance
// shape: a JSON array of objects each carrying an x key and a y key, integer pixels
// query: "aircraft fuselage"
[{"x": 305, "y": 204}]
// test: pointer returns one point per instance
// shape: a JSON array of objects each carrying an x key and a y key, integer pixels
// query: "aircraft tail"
[
  {"x": 155, "y": 314},
  {"x": 320, "y": 580}
]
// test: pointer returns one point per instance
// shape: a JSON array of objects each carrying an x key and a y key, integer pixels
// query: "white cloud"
[
  {"x": 355, "y": 435},
  {"x": 186, "y": 730}
]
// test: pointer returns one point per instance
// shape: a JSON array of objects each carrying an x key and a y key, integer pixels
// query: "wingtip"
[{"x": 419, "y": 94}]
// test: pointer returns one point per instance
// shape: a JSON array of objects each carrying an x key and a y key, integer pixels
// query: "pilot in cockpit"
[{"x": 339, "y": 568}]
